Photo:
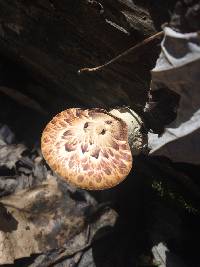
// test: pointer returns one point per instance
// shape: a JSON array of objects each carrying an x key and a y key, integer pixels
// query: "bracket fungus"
[{"x": 92, "y": 148}]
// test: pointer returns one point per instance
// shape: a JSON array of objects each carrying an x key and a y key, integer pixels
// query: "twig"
[{"x": 131, "y": 49}]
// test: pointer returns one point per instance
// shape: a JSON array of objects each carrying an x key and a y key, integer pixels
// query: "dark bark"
[{"x": 51, "y": 40}]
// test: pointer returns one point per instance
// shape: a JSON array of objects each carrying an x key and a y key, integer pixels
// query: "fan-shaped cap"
[{"x": 88, "y": 148}]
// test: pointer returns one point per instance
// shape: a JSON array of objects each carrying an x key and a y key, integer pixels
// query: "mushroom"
[{"x": 92, "y": 148}]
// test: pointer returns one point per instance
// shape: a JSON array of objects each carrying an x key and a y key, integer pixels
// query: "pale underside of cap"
[{"x": 88, "y": 148}]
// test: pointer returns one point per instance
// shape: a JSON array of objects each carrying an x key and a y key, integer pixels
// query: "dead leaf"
[
  {"x": 178, "y": 70},
  {"x": 163, "y": 257},
  {"x": 46, "y": 218},
  {"x": 10, "y": 154}
]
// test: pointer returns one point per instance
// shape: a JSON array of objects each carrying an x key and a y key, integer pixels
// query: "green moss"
[{"x": 172, "y": 194}]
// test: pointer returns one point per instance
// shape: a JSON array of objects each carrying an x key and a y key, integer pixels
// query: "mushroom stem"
[{"x": 136, "y": 138}]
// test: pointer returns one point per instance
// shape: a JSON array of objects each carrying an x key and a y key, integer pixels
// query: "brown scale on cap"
[{"x": 88, "y": 148}]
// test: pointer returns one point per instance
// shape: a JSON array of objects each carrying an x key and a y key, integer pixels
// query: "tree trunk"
[{"x": 52, "y": 40}]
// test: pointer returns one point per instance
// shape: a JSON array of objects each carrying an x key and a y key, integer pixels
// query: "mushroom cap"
[{"x": 88, "y": 148}]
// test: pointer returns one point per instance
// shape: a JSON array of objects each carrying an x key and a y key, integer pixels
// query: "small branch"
[{"x": 132, "y": 49}]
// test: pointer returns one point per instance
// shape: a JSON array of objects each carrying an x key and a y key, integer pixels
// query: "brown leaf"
[{"x": 46, "y": 218}]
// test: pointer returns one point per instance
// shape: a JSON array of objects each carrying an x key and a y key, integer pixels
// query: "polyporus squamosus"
[{"x": 92, "y": 148}]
